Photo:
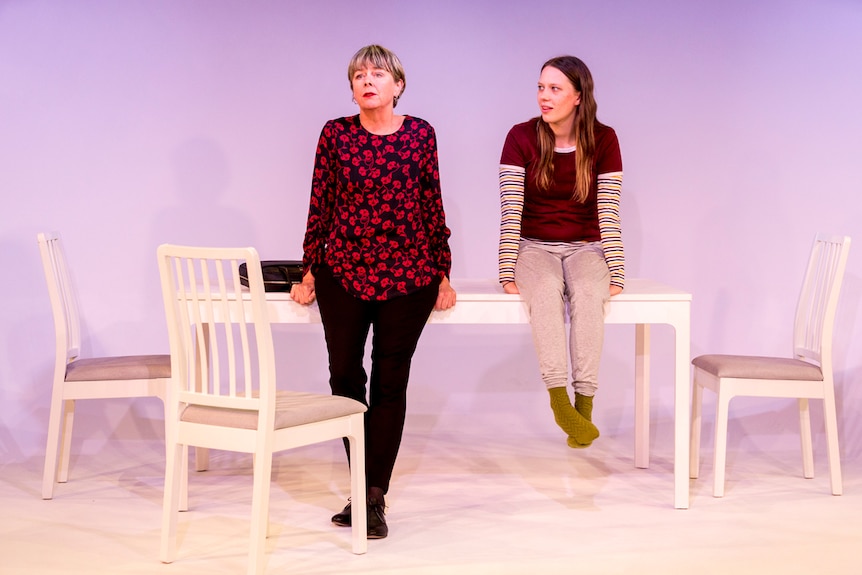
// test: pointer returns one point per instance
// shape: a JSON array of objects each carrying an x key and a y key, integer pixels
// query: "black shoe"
[
  {"x": 377, "y": 528},
  {"x": 343, "y": 519}
]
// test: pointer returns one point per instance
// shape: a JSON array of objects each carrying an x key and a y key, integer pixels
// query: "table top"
[{"x": 488, "y": 290}]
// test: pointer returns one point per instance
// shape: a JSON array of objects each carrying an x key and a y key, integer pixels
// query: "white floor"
[{"x": 494, "y": 493}]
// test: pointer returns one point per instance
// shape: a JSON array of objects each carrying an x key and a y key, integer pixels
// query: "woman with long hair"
[{"x": 560, "y": 236}]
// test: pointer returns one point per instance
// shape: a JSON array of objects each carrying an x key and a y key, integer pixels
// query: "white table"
[{"x": 643, "y": 302}]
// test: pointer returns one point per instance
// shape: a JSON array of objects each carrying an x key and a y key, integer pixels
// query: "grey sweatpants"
[{"x": 550, "y": 275}]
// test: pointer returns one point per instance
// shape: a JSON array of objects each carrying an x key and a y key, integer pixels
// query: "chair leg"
[
  {"x": 722, "y": 405},
  {"x": 266, "y": 509},
  {"x": 52, "y": 447},
  {"x": 696, "y": 422},
  {"x": 805, "y": 437},
  {"x": 184, "y": 459},
  {"x": 259, "y": 512},
  {"x": 184, "y": 479},
  {"x": 171, "y": 502},
  {"x": 66, "y": 443},
  {"x": 830, "y": 418},
  {"x": 358, "y": 516}
]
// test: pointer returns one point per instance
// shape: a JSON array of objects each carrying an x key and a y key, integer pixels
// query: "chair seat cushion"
[
  {"x": 121, "y": 368},
  {"x": 292, "y": 408},
  {"x": 756, "y": 367}
]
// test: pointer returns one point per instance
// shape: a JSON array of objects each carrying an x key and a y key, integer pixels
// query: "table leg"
[
  {"x": 202, "y": 454},
  {"x": 682, "y": 407},
  {"x": 642, "y": 401},
  {"x": 202, "y": 458}
]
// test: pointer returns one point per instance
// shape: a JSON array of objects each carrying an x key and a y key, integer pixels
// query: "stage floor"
[{"x": 487, "y": 494}]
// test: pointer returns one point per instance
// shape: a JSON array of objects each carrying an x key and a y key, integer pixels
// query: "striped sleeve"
[
  {"x": 511, "y": 208},
  {"x": 608, "y": 199}
]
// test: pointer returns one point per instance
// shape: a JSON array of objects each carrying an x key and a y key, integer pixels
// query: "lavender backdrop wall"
[{"x": 124, "y": 125}]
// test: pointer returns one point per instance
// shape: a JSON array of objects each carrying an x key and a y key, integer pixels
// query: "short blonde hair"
[{"x": 375, "y": 56}]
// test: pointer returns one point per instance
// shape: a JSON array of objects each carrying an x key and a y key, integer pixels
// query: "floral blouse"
[{"x": 376, "y": 213}]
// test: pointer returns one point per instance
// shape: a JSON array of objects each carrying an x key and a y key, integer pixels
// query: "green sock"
[
  {"x": 580, "y": 430},
  {"x": 584, "y": 405}
]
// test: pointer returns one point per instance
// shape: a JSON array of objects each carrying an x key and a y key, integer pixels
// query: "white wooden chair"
[
  {"x": 77, "y": 377},
  {"x": 223, "y": 393},
  {"x": 807, "y": 374}
]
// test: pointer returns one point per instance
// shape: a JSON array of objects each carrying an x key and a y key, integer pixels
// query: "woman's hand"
[
  {"x": 445, "y": 295},
  {"x": 303, "y": 292},
  {"x": 510, "y": 287},
  {"x": 616, "y": 290}
]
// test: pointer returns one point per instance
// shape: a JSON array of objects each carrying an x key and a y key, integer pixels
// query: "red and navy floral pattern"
[{"x": 376, "y": 214}]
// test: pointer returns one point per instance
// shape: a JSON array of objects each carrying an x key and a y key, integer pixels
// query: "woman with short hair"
[{"x": 376, "y": 253}]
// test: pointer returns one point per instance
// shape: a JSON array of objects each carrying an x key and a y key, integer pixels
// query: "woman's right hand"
[
  {"x": 510, "y": 287},
  {"x": 303, "y": 292}
]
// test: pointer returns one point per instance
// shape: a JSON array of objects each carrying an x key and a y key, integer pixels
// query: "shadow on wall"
[
  {"x": 200, "y": 217},
  {"x": 632, "y": 228},
  {"x": 28, "y": 343},
  {"x": 847, "y": 365}
]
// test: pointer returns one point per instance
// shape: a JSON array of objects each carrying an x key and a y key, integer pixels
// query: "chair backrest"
[
  {"x": 64, "y": 300},
  {"x": 221, "y": 341},
  {"x": 818, "y": 301}
]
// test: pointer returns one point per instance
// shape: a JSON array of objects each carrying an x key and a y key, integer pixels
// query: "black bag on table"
[{"x": 278, "y": 275}]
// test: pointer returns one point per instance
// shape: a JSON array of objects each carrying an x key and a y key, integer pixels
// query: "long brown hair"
[{"x": 584, "y": 130}]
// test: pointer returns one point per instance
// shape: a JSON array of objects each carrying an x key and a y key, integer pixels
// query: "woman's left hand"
[
  {"x": 445, "y": 295},
  {"x": 616, "y": 290}
]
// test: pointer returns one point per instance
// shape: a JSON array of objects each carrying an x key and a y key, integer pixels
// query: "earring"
[
  {"x": 395, "y": 101},
  {"x": 353, "y": 98}
]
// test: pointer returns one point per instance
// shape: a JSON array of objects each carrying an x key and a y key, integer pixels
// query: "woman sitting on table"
[
  {"x": 376, "y": 253},
  {"x": 560, "y": 239}
]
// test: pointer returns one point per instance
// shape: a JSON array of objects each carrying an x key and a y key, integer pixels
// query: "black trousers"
[{"x": 397, "y": 325}]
